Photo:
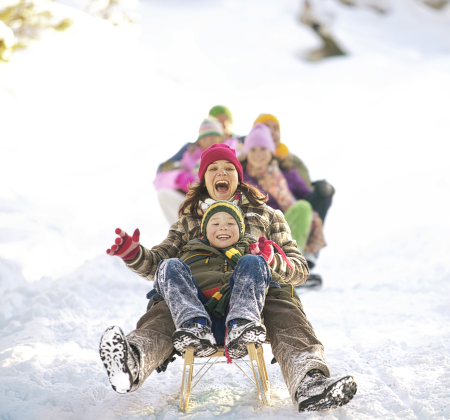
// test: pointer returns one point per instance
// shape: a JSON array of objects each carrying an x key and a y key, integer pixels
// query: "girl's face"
[
  {"x": 209, "y": 140},
  {"x": 222, "y": 230},
  {"x": 221, "y": 180},
  {"x": 226, "y": 124},
  {"x": 275, "y": 130},
  {"x": 259, "y": 157}
]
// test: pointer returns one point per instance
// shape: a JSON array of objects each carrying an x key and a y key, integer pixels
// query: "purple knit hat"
[{"x": 259, "y": 136}]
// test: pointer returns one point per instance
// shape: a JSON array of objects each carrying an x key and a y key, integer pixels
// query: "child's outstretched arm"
[{"x": 145, "y": 261}]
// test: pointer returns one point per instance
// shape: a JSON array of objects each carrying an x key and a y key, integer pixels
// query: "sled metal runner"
[{"x": 255, "y": 362}]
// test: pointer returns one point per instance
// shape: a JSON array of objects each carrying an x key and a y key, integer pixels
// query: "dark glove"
[{"x": 170, "y": 359}]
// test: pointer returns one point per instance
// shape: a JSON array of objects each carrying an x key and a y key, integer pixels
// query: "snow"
[{"x": 89, "y": 113}]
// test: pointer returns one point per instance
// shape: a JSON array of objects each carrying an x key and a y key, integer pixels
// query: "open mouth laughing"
[{"x": 222, "y": 186}]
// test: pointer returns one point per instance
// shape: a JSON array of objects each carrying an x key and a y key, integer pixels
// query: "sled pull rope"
[
  {"x": 281, "y": 252},
  {"x": 227, "y": 355}
]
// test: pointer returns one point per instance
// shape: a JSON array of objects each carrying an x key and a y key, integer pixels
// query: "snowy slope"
[{"x": 88, "y": 114}]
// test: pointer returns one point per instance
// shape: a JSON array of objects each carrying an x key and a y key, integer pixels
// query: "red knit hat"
[{"x": 218, "y": 152}]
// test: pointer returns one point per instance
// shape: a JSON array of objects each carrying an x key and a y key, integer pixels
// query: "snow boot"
[
  {"x": 120, "y": 359},
  {"x": 195, "y": 333},
  {"x": 311, "y": 259},
  {"x": 314, "y": 280},
  {"x": 317, "y": 392},
  {"x": 242, "y": 332}
]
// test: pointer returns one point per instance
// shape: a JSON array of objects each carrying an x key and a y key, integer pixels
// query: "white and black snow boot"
[
  {"x": 317, "y": 392},
  {"x": 242, "y": 332},
  {"x": 120, "y": 359},
  {"x": 195, "y": 333}
]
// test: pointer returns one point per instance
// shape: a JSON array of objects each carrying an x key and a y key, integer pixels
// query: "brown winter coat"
[{"x": 259, "y": 221}]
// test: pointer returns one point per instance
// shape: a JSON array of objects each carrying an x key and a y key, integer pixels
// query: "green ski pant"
[{"x": 299, "y": 217}]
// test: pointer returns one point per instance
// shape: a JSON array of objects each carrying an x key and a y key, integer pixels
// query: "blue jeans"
[{"x": 248, "y": 284}]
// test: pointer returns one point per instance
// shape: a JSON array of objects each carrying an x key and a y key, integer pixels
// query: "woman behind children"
[
  {"x": 322, "y": 191},
  {"x": 287, "y": 191},
  {"x": 294, "y": 344}
]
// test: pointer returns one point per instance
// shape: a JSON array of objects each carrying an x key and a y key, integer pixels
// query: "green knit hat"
[
  {"x": 227, "y": 207},
  {"x": 220, "y": 109}
]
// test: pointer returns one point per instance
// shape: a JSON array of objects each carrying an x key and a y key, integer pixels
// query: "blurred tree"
[
  {"x": 118, "y": 12},
  {"x": 321, "y": 27},
  {"x": 383, "y": 6},
  {"x": 379, "y": 6},
  {"x": 318, "y": 15},
  {"x": 436, "y": 4},
  {"x": 6, "y": 41},
  {"x": 22, "y": 21}
]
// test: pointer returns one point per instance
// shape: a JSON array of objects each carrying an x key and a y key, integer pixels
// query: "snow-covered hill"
[{"x": 89, "y": 113}]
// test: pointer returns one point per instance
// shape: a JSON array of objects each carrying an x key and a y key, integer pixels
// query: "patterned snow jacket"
[{"x": 259, "y": 221}]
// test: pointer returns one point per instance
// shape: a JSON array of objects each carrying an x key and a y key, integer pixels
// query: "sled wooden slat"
[
  {"x": 187, "y": 378},
  {"x": 260, "y": 372},
  {"x": 257, "y": 363}
]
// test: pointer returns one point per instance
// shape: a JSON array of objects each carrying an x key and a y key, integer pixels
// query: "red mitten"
[
  {"x": 264, "y": 247},
  {"x": 126, "y": 247},
  {"x": 254, "y": 249}
]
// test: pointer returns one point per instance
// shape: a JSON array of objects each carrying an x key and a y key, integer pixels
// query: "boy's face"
[
  {"x": 226, "y": 124},
  {"x": 209, "y": 140},
  {"x": 275, "y": 130},
  {"x": 222, "y": 230}
]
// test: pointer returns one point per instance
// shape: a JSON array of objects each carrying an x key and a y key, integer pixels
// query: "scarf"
[
  {"x": 232, "y": 254},
  {"x": 236, "y": 200},
  {"x": 219, "y": 301},
  {"x": 273, "y": 181},
  {"x": 217, "y": 304}
]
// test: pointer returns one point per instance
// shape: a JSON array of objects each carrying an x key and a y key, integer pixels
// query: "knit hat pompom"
[
  {"x": 227, "y": 207},
  {"x": 262, "y": 118},
  {"x": 259, "y": 136},
  {"x": 282, "y": 151},
  {"x": 210, "y": 125},
  {"x": 220, "y": 109},
  {"x": 218, "y": 152}
]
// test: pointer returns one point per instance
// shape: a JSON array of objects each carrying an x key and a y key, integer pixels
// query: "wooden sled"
[{"x": 255, "y": 361}]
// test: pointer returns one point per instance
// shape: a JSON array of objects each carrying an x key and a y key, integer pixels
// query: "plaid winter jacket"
[{"x": 259, "y": 221}]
